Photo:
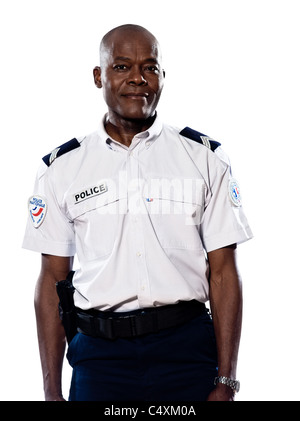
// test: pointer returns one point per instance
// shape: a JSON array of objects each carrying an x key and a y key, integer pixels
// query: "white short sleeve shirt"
[{"x": 141, "y": 219}]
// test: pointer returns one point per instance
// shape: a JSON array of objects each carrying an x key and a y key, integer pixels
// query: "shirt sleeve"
[
  {"x": 223, "y": 222},
  {"x": 53, "y": 232}
]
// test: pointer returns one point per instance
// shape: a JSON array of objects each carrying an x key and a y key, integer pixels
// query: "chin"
[{"x": 138, "y": 116}]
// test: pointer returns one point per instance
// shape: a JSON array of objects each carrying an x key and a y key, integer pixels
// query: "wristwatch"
[{"x": 233, "y": 384}]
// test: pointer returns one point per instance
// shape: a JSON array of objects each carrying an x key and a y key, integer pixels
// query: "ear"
[{"x": 97, "y": 76}]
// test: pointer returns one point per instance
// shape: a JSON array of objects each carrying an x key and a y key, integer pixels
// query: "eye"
[
  {"x": 153, "y": 69},
  {"x": 120, "y": 67}
]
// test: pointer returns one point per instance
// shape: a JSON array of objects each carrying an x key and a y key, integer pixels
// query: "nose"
[{"x": 136, "y": 77}]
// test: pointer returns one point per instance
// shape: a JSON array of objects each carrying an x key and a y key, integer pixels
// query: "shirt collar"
[{"x": 148, "y": 135}]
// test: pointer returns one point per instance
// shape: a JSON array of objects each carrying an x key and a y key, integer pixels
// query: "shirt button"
[{"x": 139, "y": 254}]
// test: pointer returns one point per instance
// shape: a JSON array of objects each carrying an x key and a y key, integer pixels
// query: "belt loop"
[
  {"x": 155, "y": 321},
  {"x": 94, "y": 326},
  {"x": 133, "y": 325},
  {"x": 110, "y": 328},
  {"x": 104, "y": 327}
]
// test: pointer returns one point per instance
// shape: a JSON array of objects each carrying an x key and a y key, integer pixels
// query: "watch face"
[{"x": 237, "y": 386}]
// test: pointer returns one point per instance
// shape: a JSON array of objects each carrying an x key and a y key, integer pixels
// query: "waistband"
[{"x": 113, "y": 325}]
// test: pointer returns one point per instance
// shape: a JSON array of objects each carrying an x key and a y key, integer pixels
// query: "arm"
[
  {"x": 226, "y": 308},
  {"x": 51, "y": 335}
]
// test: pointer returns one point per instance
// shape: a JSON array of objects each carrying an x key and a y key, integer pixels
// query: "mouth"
[{"x": 136, "y": 96}]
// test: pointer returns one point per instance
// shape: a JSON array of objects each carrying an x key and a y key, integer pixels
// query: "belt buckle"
[{"x": 144, "y": 323}]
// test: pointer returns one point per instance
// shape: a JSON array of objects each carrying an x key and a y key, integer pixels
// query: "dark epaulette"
[
  {"x": 61, "y": 150},
  {"x": 200, "y": 138}
]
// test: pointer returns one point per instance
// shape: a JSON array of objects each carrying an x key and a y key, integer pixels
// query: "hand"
[
  {"x": 54, "y": 398},
  {"x": 221, "y": 393}
]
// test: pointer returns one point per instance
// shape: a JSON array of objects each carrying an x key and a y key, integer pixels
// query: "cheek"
[
  {"x": 157, "y": 95},
  {"x": 111, "y": 90},
  {"x": 157, "y": 86},
  {"x": 108, "y": 93}
]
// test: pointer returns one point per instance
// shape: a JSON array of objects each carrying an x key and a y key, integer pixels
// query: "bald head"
[{"x": 128, "y": 31}]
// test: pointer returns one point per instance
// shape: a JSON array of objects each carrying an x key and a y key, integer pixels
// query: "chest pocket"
[
  {"x": 176, "y": 210},
  {"x": 96, "y": 222}
]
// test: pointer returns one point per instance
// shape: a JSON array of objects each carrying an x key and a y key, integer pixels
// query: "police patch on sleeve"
[
  {"x": 234, "y": 192},
  {"x": 37, "y": 210}
]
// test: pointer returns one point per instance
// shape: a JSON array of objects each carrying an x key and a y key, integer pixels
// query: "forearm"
[
  {"x": 51, "y": 337},
  {"x": 51, "y": 334},
  {"x": 226, "y": 307}
]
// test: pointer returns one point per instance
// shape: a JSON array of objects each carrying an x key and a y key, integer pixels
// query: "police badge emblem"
[
  {"x": 234, "y": 192},
  {"x": 37, "y": 209}
]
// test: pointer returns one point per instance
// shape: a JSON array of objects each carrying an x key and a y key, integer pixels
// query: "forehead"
[{"x": 132, "y": 45}]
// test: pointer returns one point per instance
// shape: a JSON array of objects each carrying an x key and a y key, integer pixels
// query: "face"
[{"x": 130, "y": 75}]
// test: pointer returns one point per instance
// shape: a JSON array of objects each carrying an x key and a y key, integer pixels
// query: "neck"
[{"x": 123, "y": 130}]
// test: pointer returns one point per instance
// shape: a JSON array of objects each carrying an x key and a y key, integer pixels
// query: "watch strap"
[{"x": 233, "y": 384}]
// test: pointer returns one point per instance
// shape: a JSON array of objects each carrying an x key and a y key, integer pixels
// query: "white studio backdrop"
[{"x": 232, "y": 72}]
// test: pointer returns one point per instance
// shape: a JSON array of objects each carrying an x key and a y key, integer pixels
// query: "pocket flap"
[
  {"x": 190, "y": 191},
  {"x": 92, "y": 198}
]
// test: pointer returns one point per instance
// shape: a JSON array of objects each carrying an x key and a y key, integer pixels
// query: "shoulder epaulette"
[
  {"x": 200, "y": 138},
  {"x": 61, "y": 150}
]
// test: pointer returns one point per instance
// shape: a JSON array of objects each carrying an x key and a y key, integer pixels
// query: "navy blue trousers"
[{"x": 176, "y": 364}]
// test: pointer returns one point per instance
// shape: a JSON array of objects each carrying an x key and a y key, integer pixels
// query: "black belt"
[{"x": 114, "y": 325}]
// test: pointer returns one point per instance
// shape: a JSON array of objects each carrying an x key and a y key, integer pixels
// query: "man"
[{"x": 154, "y": 217}]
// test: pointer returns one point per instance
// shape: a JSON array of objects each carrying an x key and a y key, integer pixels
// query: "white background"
[{"x": 233, "y": 73}]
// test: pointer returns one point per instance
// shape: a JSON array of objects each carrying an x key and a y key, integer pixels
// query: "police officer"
[{"x": 154, "y": 216}]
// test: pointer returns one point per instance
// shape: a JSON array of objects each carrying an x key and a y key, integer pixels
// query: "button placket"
[{"x": 135, "y": 205}]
